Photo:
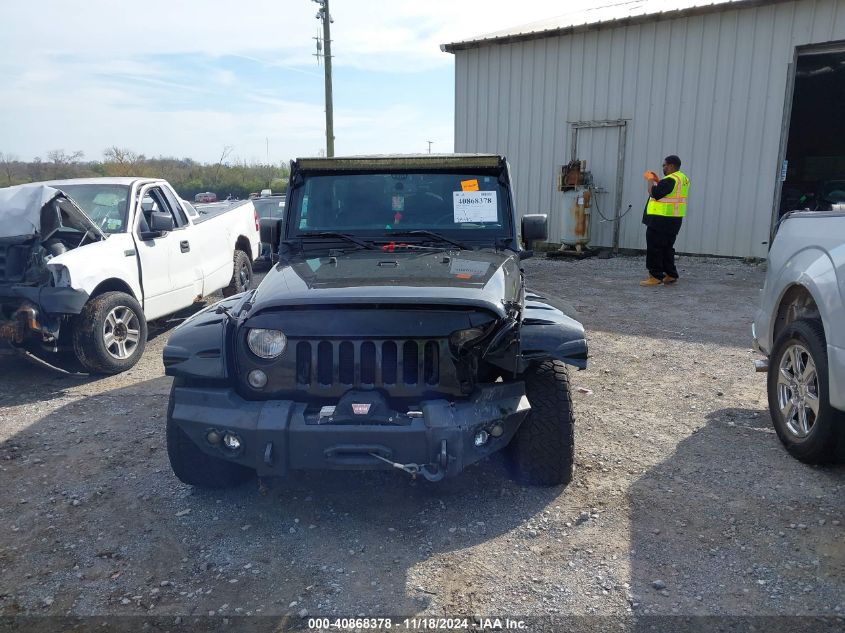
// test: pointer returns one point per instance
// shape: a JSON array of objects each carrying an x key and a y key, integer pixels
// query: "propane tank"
[{"x": 573, "y": 214}]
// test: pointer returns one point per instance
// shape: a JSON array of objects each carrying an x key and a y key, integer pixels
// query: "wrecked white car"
[{"x": 85, "y": 264}]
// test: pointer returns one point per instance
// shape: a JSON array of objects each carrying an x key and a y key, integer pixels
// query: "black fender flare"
[
  {"x": 549, "y": 334},
  {"x": 198, "y": 349}
]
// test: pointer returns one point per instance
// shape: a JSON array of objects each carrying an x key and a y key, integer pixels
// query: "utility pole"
[
  {"x": 324, "y": 15},
  {"x": 269, "y": 167},
  {"x": 429, "y": 146}
]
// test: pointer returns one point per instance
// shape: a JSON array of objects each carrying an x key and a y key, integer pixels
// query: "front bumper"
[
  {"x": 281, "y": 435},
  {"x": 36, "y": 310}
]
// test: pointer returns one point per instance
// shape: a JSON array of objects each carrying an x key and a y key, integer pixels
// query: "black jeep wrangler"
[{"x": 395, "y": 331}]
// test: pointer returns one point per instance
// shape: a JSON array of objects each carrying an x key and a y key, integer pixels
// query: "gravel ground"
[{"x": 683, "y": 500}]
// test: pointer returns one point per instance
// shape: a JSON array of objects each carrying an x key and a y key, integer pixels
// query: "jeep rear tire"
[
  {"x": 191, "y": 465},
  {"x": 543, "y": 450},
  {"x": 110, "y": 333},
  {"x": 241, "y": 275},
  {"x": 798, "y": 390}
]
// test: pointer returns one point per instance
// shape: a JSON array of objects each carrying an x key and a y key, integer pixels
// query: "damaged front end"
[
  {"x": 426, "y": 389},
  {"x": 37, "y": 224}
]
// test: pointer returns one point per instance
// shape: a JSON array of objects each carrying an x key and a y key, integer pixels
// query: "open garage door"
[{"x": 813, "y": 169}]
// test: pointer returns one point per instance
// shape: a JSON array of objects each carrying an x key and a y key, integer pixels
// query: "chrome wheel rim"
[
  {"x": 121, "y": 332},
  {"x": 243, "y": 273},
  {"x": 798, "y": 390}
]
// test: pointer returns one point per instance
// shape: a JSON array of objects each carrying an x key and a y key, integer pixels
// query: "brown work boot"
[
  {"x": 651, "y": 280},
  {"x": 669, "y": 279}
]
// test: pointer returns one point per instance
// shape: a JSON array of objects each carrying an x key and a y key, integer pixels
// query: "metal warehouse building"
[{"x": 750, "y": 95}]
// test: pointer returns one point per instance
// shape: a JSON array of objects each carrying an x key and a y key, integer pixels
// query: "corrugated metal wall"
[{"x": 709, "y": 88}]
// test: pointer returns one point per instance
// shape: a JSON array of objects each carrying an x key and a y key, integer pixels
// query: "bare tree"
[
  {"x": 62, "y": 162},
  {"x": 36, "y": 169},
  {"x": 8, "y": 162},
  {"x": 223, "y": 156},
  {"x": 60, "y": 157},
  {"x": 122, "y": 161}
]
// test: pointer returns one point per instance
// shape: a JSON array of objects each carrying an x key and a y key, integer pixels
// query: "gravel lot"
[{"x": 683, "y": 501}]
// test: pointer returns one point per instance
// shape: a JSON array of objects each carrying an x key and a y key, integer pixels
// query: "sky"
[{"x": 190, "y": 78}]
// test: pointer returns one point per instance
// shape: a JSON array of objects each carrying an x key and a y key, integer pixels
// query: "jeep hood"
[
  {"x": 35, "y": 209},
  {"x": 486, "y": 279}
]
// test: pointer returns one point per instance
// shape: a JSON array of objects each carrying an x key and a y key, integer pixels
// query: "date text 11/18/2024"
[{"x": 415, "y": 624}]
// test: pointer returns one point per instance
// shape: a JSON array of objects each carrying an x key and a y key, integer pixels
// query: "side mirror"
[
  {"x": 270, "y": 230},
  {"x": 161, "y": 222},
  {"x": 534, "y": 227}
]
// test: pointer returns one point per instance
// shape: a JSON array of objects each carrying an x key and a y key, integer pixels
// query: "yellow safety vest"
[{"x": 675, "y": 204}]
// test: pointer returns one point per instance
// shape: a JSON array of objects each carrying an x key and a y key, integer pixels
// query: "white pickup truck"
[{"x": 86, "y": 263}]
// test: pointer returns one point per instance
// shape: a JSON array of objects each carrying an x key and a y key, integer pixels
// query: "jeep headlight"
[
  {"x": 266, "y": 343},
  {"x": 461, "y": 338}
]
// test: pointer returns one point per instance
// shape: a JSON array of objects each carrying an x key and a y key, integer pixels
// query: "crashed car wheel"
[
  {"x": 110, "y": 333},
  {"x": 799, "y": 401},
  {"x": 241, "y": 275},
  {"x": 194, "y": 467},
  {"x": 543, "y": 450}
]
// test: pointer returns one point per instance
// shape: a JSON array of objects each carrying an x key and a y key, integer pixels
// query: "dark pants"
[{"x": 660, "y": 253}]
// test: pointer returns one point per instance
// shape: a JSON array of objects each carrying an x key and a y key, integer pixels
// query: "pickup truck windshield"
[
  {"x": 464, "y": 206},
  {"x": 104, "y": 204}
]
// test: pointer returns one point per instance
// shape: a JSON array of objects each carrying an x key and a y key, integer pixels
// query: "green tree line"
[{"x": 189, "y": 177}]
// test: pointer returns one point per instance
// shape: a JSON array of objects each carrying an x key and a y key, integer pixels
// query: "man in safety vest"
[{"x": 663, "y": 215}]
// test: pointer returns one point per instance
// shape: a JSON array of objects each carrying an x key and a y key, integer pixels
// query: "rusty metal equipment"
[{"x": 572, "y": 223}]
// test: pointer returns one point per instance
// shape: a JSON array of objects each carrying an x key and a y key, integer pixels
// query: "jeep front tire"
[{"x": 543, "y": 450}]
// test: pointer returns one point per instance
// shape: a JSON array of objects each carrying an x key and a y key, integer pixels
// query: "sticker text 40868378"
[{"x": 475, "y": 206}]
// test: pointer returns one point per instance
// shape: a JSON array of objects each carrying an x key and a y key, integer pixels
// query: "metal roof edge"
[{"x": 736, "y": 5}]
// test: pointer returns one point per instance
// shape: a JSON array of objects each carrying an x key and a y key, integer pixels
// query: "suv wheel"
[
  {"x": 191, "y": 465},
  {"x": 543, "y": 450},
  {"x": 110, "y": 333},
  {"x": 797, "y": 387},
  {"x": 241, "y": 275}
]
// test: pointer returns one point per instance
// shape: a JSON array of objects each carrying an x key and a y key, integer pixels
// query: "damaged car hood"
[
  {"x": 488, "y": 279},
  {"x": 37, "y": 209}
]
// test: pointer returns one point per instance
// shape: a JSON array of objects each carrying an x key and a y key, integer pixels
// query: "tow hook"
[{"x": 431, "y": 472}]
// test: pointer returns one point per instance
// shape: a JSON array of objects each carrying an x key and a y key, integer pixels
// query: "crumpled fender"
[
  {"x": 549, "y": 334},
  {"x": 197, "y": 348}
]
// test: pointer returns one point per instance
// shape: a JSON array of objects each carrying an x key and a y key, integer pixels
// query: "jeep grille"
[{"x": 370, "y": 363}]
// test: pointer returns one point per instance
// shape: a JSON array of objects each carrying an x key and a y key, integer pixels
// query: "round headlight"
[{"x": 266, "y": 343}]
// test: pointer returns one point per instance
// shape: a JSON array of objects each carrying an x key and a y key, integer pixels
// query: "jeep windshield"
[{"x": 465, "y": 207}]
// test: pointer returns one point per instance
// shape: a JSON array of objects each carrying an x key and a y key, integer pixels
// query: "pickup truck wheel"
[
  {"x": 543, "y": 450},
  {"x": 241, "y": 275},
  {"x": 799, "y": 401},
  {"x": 191, "y": 465},
  {"x": 110, "y": 333}
]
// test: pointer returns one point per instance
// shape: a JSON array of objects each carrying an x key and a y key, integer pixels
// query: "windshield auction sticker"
[
  {"x": 469, "y": 185},
  {"x": 475, "y": 206}
]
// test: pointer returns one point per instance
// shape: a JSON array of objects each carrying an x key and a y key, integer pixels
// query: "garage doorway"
[{"x": 812, "y": 169}]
